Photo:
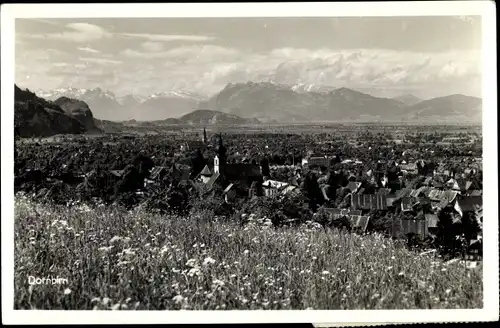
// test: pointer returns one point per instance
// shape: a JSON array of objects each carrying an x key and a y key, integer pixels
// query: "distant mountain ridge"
[
  {"x": 107, "y": 106},
  {"x": 408, "y": 99},
  {"x": 454, "y": 108},
  {"x": 37, "y": 117},
  {"x": 203, "y": 116},
  {"x": 271, "y": 102}
]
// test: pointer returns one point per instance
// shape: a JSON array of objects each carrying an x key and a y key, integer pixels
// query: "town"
[{"x": 411, "y": 182}]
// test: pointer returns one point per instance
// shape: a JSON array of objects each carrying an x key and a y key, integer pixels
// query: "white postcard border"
[{"x": 484, "y": 8}]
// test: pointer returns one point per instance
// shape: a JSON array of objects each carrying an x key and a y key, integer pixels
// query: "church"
[{"x": 245, "y": 176}]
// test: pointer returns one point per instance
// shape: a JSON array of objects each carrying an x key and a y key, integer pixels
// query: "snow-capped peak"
[
  {"x": 179, "y": 94},
  {"x": 75, "y": 93}
]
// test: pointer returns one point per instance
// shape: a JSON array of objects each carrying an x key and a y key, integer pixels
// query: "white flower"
[
  {"x": 208, "y": 261},
  {"x": 194, "y": 272},
  {"x": 218, "y": 283},
  {"x": 178, "y": 299},
  {"x": 246, "y": 251},
  {"x": 192, "y": 263},
  {"x": 325, "y": 273},
  {"x": 67, "y": 291}
]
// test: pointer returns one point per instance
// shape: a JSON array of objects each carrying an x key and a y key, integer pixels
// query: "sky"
[{"x": 385, "y": 56}]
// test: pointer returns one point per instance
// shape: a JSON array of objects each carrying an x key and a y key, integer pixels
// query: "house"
[
  {"x": 158, "y": 173},
  {"x": 469, "y": 204},
  {"x": 410, "y": 168},
  {"x": 353, "y": 186},
  {"x": 318, "y": 161},
  {"x": 205, "y": 174},
  {"x": 291, "y": 190},
  {"x": 255, "y": 189},
  {"x": 113, "y": 177},
  {"x": 431, "y": 222},
  {"x": 413, "y": 226},
  {"x": 272, "y": 187},
  {"x": 407, "y": 204},
  {"x": 192, "y": 145},
  {"x": 369, "y": 202},
  {"x": 336, "y": 213},
  {"x": 475, "y": 193}
]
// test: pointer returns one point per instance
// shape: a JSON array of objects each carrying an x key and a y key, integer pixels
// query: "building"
[
  {"x": 272, "y": 187},
  {"x": 225, "y": 173},
  {"x": 316, "y": 161}
]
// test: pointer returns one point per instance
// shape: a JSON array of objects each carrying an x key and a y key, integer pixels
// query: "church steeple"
[
  {"x": 205, "y": 140},
  {"x": 220, "y": 158},
  {"x": 221, "y": 150}
]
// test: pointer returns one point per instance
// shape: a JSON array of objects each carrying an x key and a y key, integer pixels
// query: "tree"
[
  {"x": 264, "y": 163},
  {"x": 197, "y": 162},
  {"x": 313, "y": 192}
]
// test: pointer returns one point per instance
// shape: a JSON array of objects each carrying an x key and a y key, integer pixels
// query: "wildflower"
[
  {"x": 448, "y": 291},
  {"x": 67, "y": 291},
  {"x": 192, "y": 263},
  {"x": 128, "y": 251},
  {"x": 194, "y": 272},
  {"x": 208, "y": 261},
  {"x": 392, "y": 257},
  {"x": 218, "y": 283},
  {"x": 178, "y": 299},
  {"x": 163, "y": 250},
  {"x": 315, "y": 258},
  {"x": 401, "y": 273},
  {"x": 389, "y": 267},
  {"x": 246, "y": 251},
  {"x": 325, "y": 273},
  {"x": 443, "y": 269}
]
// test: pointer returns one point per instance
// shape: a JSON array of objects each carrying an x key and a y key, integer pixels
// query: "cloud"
[
  {"x": 80, "y": 32},
  {"x": 102, "y": 61},
  {"x": 169, "y": 37},
  {"x": 208, "y": 68},
  {"x": 189, "y": 54},
  {"x": 152, "y": 46},
  {"x": 88, "y": 49}
]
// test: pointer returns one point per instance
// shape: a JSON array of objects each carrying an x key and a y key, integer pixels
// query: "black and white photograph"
[{"x": 258, "y": 159}]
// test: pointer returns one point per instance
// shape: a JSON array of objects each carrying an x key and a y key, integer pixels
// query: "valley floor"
[{"x": 114, "y": 259}]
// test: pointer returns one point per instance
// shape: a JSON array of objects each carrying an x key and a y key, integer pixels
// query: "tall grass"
[{"x": 114, "y": 259}]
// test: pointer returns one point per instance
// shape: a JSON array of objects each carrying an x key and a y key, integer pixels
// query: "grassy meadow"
[{"x": 130, "y": 260}]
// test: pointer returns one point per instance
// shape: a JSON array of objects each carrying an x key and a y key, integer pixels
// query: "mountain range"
[
  {"x": 270, "y": 102},
  {"x": 107, "y": 106},
  {"x": 37, "y": 117}
]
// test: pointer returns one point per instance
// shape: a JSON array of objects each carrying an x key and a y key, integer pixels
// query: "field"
[{"x": 117, "y": 259}]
